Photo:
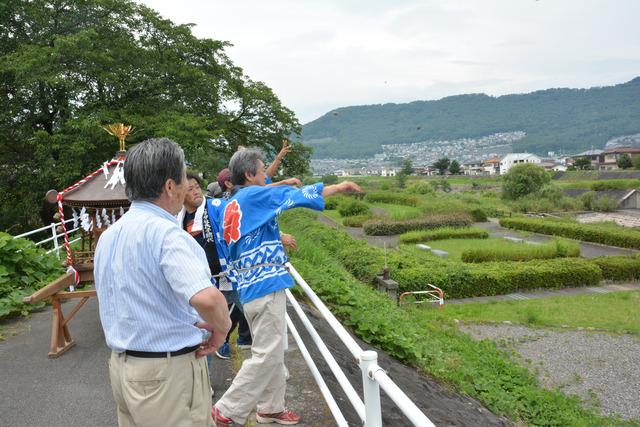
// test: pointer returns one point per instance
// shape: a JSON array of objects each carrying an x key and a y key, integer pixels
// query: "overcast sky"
[{"x": 318, "y": 55}]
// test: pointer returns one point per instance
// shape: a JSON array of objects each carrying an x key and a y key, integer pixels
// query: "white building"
[
  {"x": 515, "y": 158},
  {"x": 388, "y": 172}
]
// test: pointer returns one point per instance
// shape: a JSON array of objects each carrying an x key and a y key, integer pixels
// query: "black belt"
[{"x": 160, "y": 354}]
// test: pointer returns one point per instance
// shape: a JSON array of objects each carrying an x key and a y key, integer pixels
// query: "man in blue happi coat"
[{"x": 247, "y": 228}]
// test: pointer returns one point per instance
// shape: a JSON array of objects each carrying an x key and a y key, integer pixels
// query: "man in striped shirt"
[{"x": 156, "y": 298}]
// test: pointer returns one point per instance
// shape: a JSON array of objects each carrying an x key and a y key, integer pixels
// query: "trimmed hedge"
[
  {"x": 619, "y": 268},
  {"x": 457, "y": 279},
  {"x": 522, "y": 252},
  {"x": 443, "y": 234},
  {"x": 392, "y": 198},
  {"x": 383, "y": 227},
  {"x": 625, "y": 238}
]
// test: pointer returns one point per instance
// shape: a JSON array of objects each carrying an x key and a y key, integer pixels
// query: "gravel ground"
[{"x": 598, "y": 367}]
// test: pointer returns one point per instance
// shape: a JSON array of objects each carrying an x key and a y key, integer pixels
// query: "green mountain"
[{"x": 568, "y": 120}]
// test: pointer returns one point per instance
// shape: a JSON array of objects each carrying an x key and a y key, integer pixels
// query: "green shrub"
[
  {"x": 606, "y": 235},
  {"x": 443, "y": 234},
  {"x": 522, "y": 252},
  {"x": 353, "y": 208},
  {"x": 356, "y": 221},
  {"x": 24, "y": 268},
  {"x": 393, "y": 198},
  {"x": 618, "y": 268},
  {"x": 420, "y": 187},
  {"x": 383, "y": 227},
  {"x": 332, "y": 202},
  {"x": 588, "y": 200},
  {"x": 478, "y": 215},
  {"x": 523, "y": 179},
  {"x": 605, "y": 204}
]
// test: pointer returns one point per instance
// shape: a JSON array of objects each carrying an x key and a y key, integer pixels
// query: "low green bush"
[
  {"x": 393, "y": 198},
  {"x": 383, "y": 227},
  {"x": 356, "y": 221},
  {"x": 522, "y": 251},
  {"x": 605, "y": 204},
  {"x": 443, "y": 234},
  {"x": 619, "y": 268},
  {"x": 331, "y": 203},
  {"x": 478, "y": 215},
  {"x": 353, "y": 208},
  {"x": 420, "y": 187},
  {"x": 606, "y": 235},
  {"x": 24, "y": 268}
]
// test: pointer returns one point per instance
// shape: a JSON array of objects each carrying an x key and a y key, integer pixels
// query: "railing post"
[
  {"x": 54, "y": 233},
  {"x": 373, "y": 412}
]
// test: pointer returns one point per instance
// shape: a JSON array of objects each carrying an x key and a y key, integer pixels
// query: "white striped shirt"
[{"x": 146, "y": 270}]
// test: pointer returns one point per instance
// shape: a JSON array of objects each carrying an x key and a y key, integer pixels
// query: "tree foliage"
[
  {"x": 523, "y": 179},
  {"x": 442, "y": 165},
  {"x": 582, "y": 163},
  {"x": 624, "y": 162},
  {"x": 454, "y": 167},
  {"x": 66, "y": 68}
]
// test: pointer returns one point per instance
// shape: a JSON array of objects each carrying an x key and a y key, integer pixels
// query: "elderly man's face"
[
  {"x": 193, "y": 198},
  {"x": 260, "y": 178}
]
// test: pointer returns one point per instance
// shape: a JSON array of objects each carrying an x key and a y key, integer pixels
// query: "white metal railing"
[
  {"x": 373, "y": 376},
  {"x": 54, "y": 236}
]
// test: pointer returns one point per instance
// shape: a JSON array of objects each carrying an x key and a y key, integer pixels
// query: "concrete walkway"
[{"x": 74, "y": 390}]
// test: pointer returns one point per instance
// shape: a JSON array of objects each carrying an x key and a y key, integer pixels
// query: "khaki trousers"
[
  {"x": 261, "y": 380},
  {"x": 171, "y": 391}
]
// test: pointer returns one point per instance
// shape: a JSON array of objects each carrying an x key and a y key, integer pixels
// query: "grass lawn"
[
  {"x": 398, "y": 212},
  {"x": 614, "y": 312},
  {"x": 333, "y": 214}
]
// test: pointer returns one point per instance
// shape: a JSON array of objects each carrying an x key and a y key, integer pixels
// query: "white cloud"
[{"x": 318, "y": 55}]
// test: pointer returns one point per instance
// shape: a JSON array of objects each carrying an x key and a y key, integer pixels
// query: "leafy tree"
[
  {"x": 401, "y": 178},
  {"x": 329, "y": 179},
  {"x": 624, "y": 162},
  {"x": 442, "y": 165},
  {"x": 66, "y": 68},
  {"x": 523, "y": 179},
  {"x": 582, "y": 163},
  {"x": 407, "y": 167},
  {"x": 454, "y": 167}
]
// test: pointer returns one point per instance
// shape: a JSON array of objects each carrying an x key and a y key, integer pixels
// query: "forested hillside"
[{"x": 554, "y": 119}]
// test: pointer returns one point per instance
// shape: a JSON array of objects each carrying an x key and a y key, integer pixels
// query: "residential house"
[
  {"x": 609, "y": 158},
  {"x": 513, "y": 159},
  {"x": 492, "y": 165},
  {"x": 594, "y": 157}
]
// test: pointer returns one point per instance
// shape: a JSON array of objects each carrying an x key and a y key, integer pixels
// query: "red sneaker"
[
  {"x": 286, "y": 417},
  {"x": 219, "y": 420}
]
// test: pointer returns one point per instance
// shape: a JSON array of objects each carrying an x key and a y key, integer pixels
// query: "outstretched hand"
[
  {"x": 286, "y": 149},
  {"x": 349, "y": 187}
]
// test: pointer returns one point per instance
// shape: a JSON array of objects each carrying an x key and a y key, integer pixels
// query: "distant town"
[{"x": 484, "y": 156}]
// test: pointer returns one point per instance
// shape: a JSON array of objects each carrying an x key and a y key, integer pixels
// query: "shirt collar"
[{"x": 152, "y": 208}]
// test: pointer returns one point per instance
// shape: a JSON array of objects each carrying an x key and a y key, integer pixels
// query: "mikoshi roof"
[{"x": 100, "y": 189}]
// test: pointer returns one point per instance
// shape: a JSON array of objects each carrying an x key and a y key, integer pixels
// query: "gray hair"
[
  {"x": 244, "y": 161},
  {"x": 149, "y": 165}
]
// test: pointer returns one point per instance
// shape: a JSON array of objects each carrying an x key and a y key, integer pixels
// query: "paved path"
[{"x": 74, "y": 390}]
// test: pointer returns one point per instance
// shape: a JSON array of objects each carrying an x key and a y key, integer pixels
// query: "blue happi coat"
[{"x": 248, "y": 235}]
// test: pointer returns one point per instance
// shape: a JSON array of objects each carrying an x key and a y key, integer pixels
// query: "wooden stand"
[{"x": 61, "y": 340}]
